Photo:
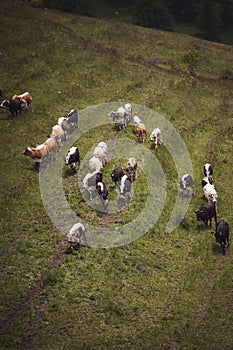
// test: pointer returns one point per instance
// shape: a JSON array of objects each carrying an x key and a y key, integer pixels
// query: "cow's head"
[{"x": 199, "y": 214}]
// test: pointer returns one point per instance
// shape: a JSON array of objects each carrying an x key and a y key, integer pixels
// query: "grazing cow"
[
  {"x": 222, "y": 234},
  {"x": 13, "y": 105},
  {"x": 72, "y": 118},
  {"x": 26, "y": 100},
  {"x": 90, "y": 181},
  {"x": 95, "y": 164},
  {"x": 210, "y": 193},
  {"x": 140, "y": 131},
  {"x": 125, "y": 187},
  {"x": 103, "y": 193},
  {"x": 156, "y": 137},
  {"x": 186, "y": 184},
  {"x": 75, "y": 235},
  {"x": 207, "y": 180},
  {"x": 51, "y": 144},
  {"x": 117, "y": 174},
  {"x": 119, "y": 117},
  {"x": 72, "y": 158},
  {"x": 131, "y": 168},
  {"x": 206, "y": 212},
  {"x": 136, "y": 120},
  {"x": 100, "y": 154},
  {"x": 37, "y": 154},
  {"x": 59, "y": 135},
  {"x": 208, "y": 170}
]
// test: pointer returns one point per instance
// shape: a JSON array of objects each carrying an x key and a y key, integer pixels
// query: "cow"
[
  {"x": 72, "y": 158},
  {"x": 103, "y": 145},
  {"x": 63, "y": 122},
  {"x": 51, "y": 144},
  {"x": 186, "y": 185},
  {"x": 136, "y": 120},
  {"x": 26, "y": 100},
  {"x": 131, "y": 168},
  {"x": 119, "y": 117},
  {"x": 95, "y": 164},
  {"x": 13, "y": 105},
  {"x": 117, "y": 174},
  {"x": 59, "y": 135},
  {"x": 100, "y": 154},
  {"x": 207, "y": 180},
  {"x": 75, "y": 235},
  {"x": 206, "y": 212},
  {"x": 72, "y": 118},
  {"x": 125, "y": 188},
  {"x": 208, "y": 170},
  {"x": 210, "y": 193},
  {"x": 140, "y": 131},
  {"x": 103, "y": 194},
  {"x": 38, "y": 153},
  {"x": 156, "y": 137},
  {"x": 90, "y": 181},
  {"x": 222, "y": 235}
]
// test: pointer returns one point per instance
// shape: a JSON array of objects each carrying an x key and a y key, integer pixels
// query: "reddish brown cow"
[{"x": 140, "y": 131}]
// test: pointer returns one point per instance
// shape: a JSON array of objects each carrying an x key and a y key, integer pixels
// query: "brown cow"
[
  {"x": 37, "y": 154},
  {"x": 51, "y": 144},
  {"x": 140, "y": 131}
]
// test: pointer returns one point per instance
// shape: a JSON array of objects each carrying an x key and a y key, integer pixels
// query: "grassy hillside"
[{"x": 162, "y": 291}]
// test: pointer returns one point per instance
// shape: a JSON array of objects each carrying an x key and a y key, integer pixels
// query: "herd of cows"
[{"x": 123, "y": 178}]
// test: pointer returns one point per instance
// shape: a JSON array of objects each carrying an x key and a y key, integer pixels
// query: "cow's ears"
[{"x": 195, "y": 211}]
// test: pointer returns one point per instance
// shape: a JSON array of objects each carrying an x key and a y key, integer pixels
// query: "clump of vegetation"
[{"x": 192, "y": 58}]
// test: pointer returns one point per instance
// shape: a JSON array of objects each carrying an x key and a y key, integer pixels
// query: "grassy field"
[{"x": 163, "y": 291}]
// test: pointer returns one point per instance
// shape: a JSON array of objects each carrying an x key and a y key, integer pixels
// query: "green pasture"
[{"x": 163, "y": 291}]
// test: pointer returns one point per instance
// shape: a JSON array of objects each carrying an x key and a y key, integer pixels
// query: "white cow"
[
  {"x": 131, "y": 168},
  {"x": 76, "y": 233},
  {"x": 100, "y": 154},
  {"x": 90, "y": 181},
  {"x": 95, "y": 164},
  {"x": 156, "y": 137},
  {"x": 210, "y": 193},
  {"x": 136, "y": 120},
  {"x": 59, "y": 135}
]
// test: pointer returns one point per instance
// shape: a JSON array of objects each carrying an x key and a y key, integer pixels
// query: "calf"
[
  {"x": 117, "y": 174},
  {"x": 222, "y": 234},
  {"x": 72, "y": 158},
  {"x": 90, "y": 181},
  {"x": 156, "y": 137},
  {"x": 140, "y": 132},
  {"x": 74, "y": 236},
  {"x": 210, "y": 193},
  {"x": 206, "y": 212},
  {"x": 103, "y": 193},
  {"x": 186, "y": 184},
  {"x": 131, "y": 168}
]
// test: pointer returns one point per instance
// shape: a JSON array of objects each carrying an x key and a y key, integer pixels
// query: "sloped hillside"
[{"x": 166, "y": 290}]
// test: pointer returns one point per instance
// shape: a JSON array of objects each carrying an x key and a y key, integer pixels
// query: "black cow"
[
  {"x": 117, "y": 174},
  {"x": 206, "y": 212},
  {"x": 222, "y": 235},
  {"x": 72, "y": 158},
  {"x": 72, "y": 118},
  {"x": 13, "y": 105}
]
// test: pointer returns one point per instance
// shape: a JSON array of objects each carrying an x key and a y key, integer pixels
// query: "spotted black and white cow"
[
  {"x": 72, "y": 158},
  {"x": 102, "y": 191},
  {"x": 122, "y": 116},
  {"x": 208, "y": 170},
  {"x": 187, "y": 185},
  {"x": 90, "y": 181},
  {"x": 125, "y": 187},
  {"x": 72, "y": 118}
]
